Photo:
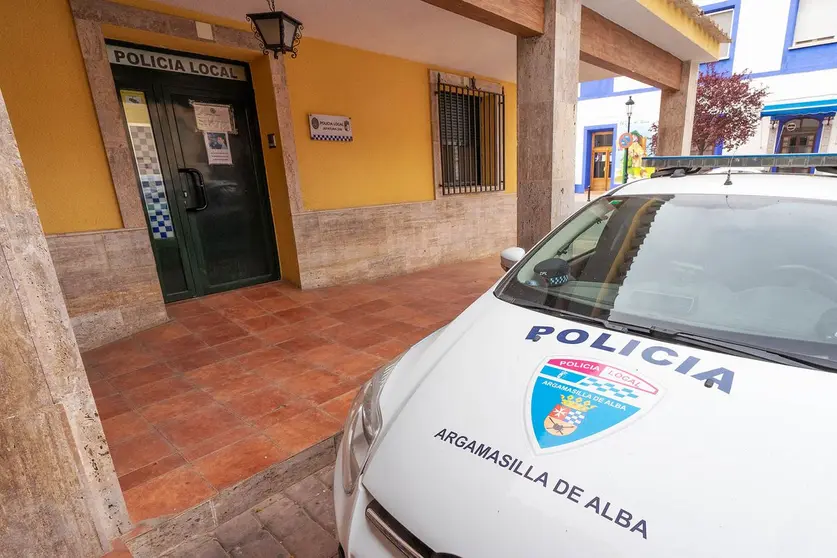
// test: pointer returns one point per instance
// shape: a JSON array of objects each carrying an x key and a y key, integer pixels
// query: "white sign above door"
[{"x": 153, "y": 60}]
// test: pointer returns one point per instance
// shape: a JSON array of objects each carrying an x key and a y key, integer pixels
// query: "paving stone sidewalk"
[{"x": 297, "y": 522}]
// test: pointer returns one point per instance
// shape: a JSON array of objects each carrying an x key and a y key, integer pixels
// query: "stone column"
[
  {"x": 547, "y": 92},
  {"x": 286, "y": 132},
  {"x": 59, "y": 495},
  {"x": 109, "y": 113},
  {"x": 677, "y": 114}
]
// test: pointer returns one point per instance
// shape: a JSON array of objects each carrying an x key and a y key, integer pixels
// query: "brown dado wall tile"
[
  {"x": 109, "y": 282},
  {"x": 359, "y": 244}
]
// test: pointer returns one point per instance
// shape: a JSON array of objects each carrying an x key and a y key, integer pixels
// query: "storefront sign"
[
  {"x": 325, "y": 127},
  {"x": 172, "y": 63}
]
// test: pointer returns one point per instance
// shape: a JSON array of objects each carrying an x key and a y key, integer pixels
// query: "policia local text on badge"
[{"x": 721, "y": 378}]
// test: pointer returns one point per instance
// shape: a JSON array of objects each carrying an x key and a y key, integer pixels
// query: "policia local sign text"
[{"x": 173, "y": 63}]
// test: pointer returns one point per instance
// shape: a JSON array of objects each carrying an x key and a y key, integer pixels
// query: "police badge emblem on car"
[{"x": 574, "y": 401}]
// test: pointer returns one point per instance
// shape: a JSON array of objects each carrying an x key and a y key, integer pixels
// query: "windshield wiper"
[
  {"x": 770, "y": 355},
  {"x": 726, "y": 346}
]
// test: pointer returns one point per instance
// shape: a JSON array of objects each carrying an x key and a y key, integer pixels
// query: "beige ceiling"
[{"x": 409, "y": 29}]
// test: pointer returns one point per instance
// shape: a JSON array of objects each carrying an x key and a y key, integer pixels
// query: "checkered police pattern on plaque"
[{"x": 326, "y": 137}]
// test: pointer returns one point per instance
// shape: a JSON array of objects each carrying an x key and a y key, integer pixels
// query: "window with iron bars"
[{"x": 472, "y": 127}]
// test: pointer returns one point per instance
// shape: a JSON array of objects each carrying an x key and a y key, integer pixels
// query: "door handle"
[{"x": 201, "y": 187}]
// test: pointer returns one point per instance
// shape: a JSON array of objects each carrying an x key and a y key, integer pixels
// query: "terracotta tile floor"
[{"x": 238, "y": 381}]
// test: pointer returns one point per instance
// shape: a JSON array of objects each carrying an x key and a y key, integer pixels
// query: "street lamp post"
[{"x": 629, "y": 109}]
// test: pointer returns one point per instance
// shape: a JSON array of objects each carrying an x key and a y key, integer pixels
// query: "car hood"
[{"x": 528, "y": 435}]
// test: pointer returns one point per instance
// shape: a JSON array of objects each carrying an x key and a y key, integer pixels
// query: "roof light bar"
[{"x": 742, "y": 161}]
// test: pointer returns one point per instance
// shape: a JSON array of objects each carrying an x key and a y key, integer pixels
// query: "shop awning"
[{"x": 825, "y": 106}]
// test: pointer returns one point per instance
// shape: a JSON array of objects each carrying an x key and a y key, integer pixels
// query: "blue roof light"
[{"x": 794, "y": 160}]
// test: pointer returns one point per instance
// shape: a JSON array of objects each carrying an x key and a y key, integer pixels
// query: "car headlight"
[{"x": 363, "y": 425}]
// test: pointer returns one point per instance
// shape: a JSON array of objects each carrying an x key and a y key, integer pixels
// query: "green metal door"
[{"x": 218, "y": 233}]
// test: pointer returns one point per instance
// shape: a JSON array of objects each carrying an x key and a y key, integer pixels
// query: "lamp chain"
[{"x": 272, "y": 5}]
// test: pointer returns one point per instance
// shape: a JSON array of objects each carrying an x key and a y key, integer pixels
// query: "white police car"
[{"x": 653, "y": 379}]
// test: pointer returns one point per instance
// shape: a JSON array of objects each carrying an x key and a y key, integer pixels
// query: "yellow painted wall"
[
  {"x": 388, "y": 100},
  {"x": 511, "y": 137},
  {"x": 45, "y": 87},
  {"x": 44, "y": 83}
]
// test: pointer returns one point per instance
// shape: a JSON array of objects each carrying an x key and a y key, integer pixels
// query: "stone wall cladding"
[
  {"x": 110, "y": 284},
  {"x": 365, "y": 243},
  {"x": 59, "y": 495}
]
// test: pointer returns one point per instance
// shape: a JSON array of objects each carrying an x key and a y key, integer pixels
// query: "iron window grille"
[{"x": 472, "y": 127}]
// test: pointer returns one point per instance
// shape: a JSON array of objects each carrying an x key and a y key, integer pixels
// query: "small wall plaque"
[{"x": 328, "y": 127}]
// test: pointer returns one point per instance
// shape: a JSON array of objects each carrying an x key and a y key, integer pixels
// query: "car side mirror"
[{"x": 511, "y": 256}]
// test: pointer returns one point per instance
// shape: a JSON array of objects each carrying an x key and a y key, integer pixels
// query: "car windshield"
[{"x": 744, "y": 269}]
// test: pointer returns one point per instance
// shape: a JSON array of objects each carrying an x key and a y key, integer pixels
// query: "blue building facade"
[{"x": 789, "y": 46}]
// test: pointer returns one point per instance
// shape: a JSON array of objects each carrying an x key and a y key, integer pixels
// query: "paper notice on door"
[
  {"x": 213, "y": 118},
  {"x": 217, "y": 148}
]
